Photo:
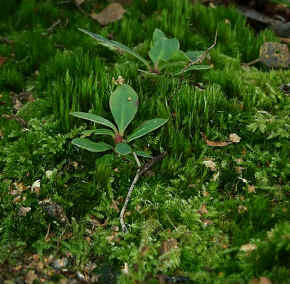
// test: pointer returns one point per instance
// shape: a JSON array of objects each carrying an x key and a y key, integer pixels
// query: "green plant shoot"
[
  {"x": 165, "y": 54},
  {"x": 124, "y": 106}
]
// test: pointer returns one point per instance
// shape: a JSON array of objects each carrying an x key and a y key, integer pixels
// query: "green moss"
[{"x": 205, "y": 215}]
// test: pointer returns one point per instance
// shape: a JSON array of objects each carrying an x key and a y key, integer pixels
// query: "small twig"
[
  {"x": 124, "y": 228},
  {"x": 47, "y": 233},
  {"x": 52, "y": 27},
  {"x": 139, "y": 172},
  {"x": 202, "y": 56},
  {"x": 251, "y": 62}
]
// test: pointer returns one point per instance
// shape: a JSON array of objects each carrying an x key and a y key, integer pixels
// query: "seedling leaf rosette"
[
  {"x": 123, "y": 106},
  {"x": 165, "y": 54}
]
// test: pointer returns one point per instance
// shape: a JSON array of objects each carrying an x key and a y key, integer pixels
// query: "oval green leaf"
[
  {"x": 123, "y": 105},
  {"x": 99, "y": 131},
  {"x": 94, "y": 118},
  {"x": 147, "y": 127},
  {"x": 163, "y": 50},
  {"x": 91, "y": 146},
  {"x": 115, "y": 45},
  {"x": 123, "y": 149}
]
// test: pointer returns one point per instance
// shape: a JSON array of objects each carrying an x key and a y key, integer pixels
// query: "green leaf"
[
  {"x": 147, "y": 127},
  {"x": 193, "y": 67},
  {"x": 101, "y": 131},
  {"x": 91, "y": 146},
  {"x": 143, "y": 154},
  {"x": 158, "y": 35},
  {"x": 115, "y": 46},
  {"x": 94, "y": 118},
  {"x": 163, "y": 50},
  {"x": 123, "y": 105},
  {"x": 123, "y": 149},
  {"x": 193, "y": 55}
]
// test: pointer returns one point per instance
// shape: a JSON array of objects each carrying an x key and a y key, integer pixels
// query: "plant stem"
[
  {"x": 139, "y": 172},
  {"x": 124, "y": 228}
]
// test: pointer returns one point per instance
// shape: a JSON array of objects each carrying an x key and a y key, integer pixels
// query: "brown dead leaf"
[
  {"x": 23, "y": 211},
  {"x": 30, "y": 277},
  {"x": 234, "y": 138},
  {"x": 2, "y": 60},
  {"x": 251, "y": 188},
  {"x": 110, "y": 14},
  {"x": 207, "y": 222},
  {"x": 248, "y": 247},
  {"x": 210, "y": 164},
  {"x": 202, "y": 210},
  {"x": 274, "y": 54},
  {"x": 261, "y": 280},
  {"x": 242, "y": 209},
  {"x": 168, "y": 245},
  {"x": 214, "y": 143}
]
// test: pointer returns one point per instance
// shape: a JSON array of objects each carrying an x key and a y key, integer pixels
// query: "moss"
[{"x": 186, "y": 221}]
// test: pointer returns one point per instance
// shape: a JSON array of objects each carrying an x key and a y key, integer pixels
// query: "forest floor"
[{"x": 215, "y": 209}]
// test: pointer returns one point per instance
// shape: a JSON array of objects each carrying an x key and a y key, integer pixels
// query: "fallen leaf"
[
  {"x": 242, "y": 209},
  {"x": 30, "y": 277},
  {"x": 207, "y": 222},
  {"x": 274, "y": 54},
  {"x": 251, "y": 188},
  {"x": 210, "y": 164},
  {"x": 23, "y": 211},
  {"x": 2, "y": 60},
  {"x": 214, "y": 143},
  {"x": 168, "y": 245},
  {"x": 239, "y": 170},
  {"x": 234, "y": 138},
  {"x": 125, "y": 269},
  {"x": 248, "y": 247},
  {"x": 17, "y": 199},
  {"x": 202, "y": 210},
  {"x": 110, "y": 14},
  {"x": 36, "y": 186}
]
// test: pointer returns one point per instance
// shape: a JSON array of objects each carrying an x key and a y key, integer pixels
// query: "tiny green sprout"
[
  {"x": 165, "y": 54},
  {"x": 124, "y": 106}
]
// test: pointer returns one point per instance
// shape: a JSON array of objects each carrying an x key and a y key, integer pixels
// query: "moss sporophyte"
[{"x": 123, "y": 106}]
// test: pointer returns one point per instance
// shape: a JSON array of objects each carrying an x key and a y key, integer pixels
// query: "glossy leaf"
[
  {"x": 123, "y": 149},
  {"x": 123, "y": 105},
  {"x": 115, "y": 46},
  {"x": 91, "y": 146},
  {"x": 147, "y": 127},
  {"x": 94, "y": 118},
  {"x": 101, "y": 131}
]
